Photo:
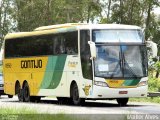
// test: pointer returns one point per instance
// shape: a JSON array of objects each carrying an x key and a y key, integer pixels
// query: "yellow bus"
[{"x": 76, "y": 62}]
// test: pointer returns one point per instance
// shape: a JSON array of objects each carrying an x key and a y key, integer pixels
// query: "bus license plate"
[{"x": 123, "y": 92}]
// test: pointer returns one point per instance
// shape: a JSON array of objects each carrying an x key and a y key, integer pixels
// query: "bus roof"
[{"x": 60, "y": 28}]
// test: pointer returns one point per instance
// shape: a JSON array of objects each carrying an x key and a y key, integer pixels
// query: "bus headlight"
[
  {"x": 100, "y": 83},
  {"x": 142, "y": 83}
]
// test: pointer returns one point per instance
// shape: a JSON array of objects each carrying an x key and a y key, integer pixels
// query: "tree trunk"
[
  {"x": 49, "y": 11},
  {"x": 131, "y": 12},
  {"x": 121, "y": 11},
  {"x": 157, "y": 74},
  {"x": 89, "y": 9},
  {"x": 148, "y": 19},
  {"x": 109, "y": 8}
]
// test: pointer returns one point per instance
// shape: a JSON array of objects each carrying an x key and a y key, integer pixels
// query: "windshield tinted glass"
[
  {"x": 121, "y": 61},
  {"x": 118, "y": 36}
]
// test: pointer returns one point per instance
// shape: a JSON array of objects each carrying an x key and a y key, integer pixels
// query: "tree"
[
  {"x": 127, "y": 12},
  {"x": 33, "y": 13},
  {"x": 5, "y": 18},
  {"x": 150, "y": 20}
]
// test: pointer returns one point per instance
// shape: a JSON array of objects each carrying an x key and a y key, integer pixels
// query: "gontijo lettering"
[{"x": 31, "y": 63}]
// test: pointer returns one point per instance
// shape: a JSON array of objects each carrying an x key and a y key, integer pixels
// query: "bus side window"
[
  {"x": 71, "y": 42},
  {"x": 58, "y": 50}
]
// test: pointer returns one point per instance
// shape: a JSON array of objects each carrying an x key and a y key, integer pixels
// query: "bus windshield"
[
  {"x": 112, "y": 35},
  {"x": 121, "y": 61}
]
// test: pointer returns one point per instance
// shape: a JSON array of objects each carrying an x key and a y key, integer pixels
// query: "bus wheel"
[
  {"x": 18, "y": 92},
  {"x": 10, "y": 96},
  {"x": 26, "y": 92},
  {"x": 75, "y": 96},
  {"x": 122, "y": 101}
]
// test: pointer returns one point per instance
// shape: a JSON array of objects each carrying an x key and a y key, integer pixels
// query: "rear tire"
[
  {"x": 10, "y": 96},
  {"x": 18, "y": 92},
  {"x": 75, "y": 96},
  {"x": 122, "y": 101},
  {"x": 26, "y": 93}
]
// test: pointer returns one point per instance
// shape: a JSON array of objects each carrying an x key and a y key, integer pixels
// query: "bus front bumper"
[{"x": 99, "y": 92}]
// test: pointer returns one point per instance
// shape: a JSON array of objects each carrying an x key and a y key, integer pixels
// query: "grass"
[
  {"x": 29, "y": 114},
  {"x": 16, "y": 111},
  {"x": 147, "y": 99}
]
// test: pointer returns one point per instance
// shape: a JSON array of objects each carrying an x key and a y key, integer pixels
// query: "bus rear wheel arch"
[{"x": 74, "y": 94}]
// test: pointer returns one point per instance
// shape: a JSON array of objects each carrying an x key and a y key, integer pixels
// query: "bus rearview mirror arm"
[{"x": 92, "y": 49}]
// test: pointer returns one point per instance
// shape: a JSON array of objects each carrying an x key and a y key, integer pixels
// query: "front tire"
[
  {"x": 75, "y": 96},
  {"x": 122, "y": 101}
]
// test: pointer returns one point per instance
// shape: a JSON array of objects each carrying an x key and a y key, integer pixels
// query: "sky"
[{"x": 157, "y": 10}]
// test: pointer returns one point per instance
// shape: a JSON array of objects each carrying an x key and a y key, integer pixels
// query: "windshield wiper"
[
  {"x": 118, "y": 64},
  {"x": 125, "y": 63}
]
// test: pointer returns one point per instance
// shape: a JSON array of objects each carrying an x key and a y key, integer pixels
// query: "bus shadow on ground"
[
  {"x": 56, "y": 102},
  {"x": 86, "y": 104},
  {"x": 89, "y": 104}
]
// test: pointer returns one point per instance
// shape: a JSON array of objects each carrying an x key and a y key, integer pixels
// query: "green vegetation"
[
  {"x": 153, "y": 86},
  {"x": 147, "y": 99},
  {"x": 28, "y": 114},
  {"x": 154, "y": 78},
  {"x": 0, "y": 69},
  {"x": 16, "y": 111},
  {"x": 39, "y": 117}
]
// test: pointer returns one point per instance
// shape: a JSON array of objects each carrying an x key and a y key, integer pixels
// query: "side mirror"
[
  {"x": 153, "y": 47},
  {"x": 92, "y": 49}
]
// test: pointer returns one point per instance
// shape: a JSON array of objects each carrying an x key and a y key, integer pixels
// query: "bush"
[{"x": 154, "y": 84}]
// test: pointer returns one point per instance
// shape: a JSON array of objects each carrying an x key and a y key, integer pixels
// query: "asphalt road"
[{"x": 51, "y": 105}]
